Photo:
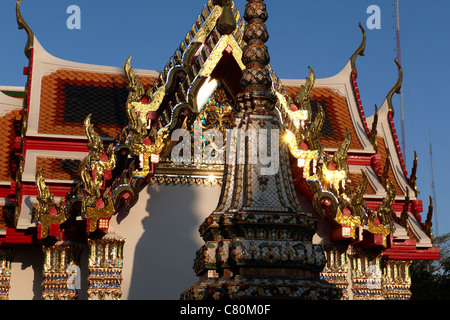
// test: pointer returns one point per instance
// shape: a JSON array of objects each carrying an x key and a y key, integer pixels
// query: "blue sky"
[{"x": 322, "y": 34}]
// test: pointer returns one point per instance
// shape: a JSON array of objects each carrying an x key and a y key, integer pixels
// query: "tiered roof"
[{"x": 60, "y": 95}]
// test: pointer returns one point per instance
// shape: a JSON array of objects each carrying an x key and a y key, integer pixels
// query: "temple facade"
[{"x": 213, "y": 179}]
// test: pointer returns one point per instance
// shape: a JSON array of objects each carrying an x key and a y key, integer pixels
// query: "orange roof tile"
[
  {"x": 6, "y": 217},
  {"x": 337, "y": 117},
  {"x": 67, "y": 97},
  {"x": 59, "y": 169},
  {"x": 7, "y": 143}
]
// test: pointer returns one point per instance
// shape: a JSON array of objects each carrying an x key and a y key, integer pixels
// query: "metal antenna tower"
[{"x": 433, "y": 190}]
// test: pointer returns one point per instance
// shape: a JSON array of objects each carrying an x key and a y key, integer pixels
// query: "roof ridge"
[{"x": 200, "y": 32}]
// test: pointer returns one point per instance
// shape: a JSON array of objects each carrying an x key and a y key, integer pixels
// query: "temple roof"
[
  {"x": 61, "y": 94},
  {"x": 65, "y": 92}
]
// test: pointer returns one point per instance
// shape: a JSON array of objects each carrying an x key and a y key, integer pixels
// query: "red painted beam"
[
  {"x": 416, "y": 254},
  {"x": 360, "y": 161},
  {"x": 15, "y": 237},
  {"x": 58, "y": 191},
  {"x": 408, "y": 250},
  {"x": 59, "y": 144},
  {"x": 56, "y": 145}
]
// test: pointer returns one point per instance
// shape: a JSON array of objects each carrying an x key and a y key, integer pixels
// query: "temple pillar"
[
  {"x": 396, "y": 281},
  {"x": 61, "y": 271},
  {"x": 336, "y": 270},
  {"x": 5, "y": 272},
  {"x": 105, "y": 267},
  {"x": 366, "y": 275}
]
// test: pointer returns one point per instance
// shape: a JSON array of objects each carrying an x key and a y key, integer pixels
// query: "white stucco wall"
[
  {"x": 162, "y": 238},
  {"x": 26, "y": 274}
]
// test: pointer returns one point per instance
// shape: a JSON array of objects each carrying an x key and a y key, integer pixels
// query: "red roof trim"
[
  {"x": 358, "y": 101},
  {"x": 408, "y": 251},
  {"x": 397, "y": 144},
  {"x": 57, "y": 190},
  {"x": 56, "y": 145},
  {"x": 14, "y": 237},
  {"x": 30, "y": 73}
]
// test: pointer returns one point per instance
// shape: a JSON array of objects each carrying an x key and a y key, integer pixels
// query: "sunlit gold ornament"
[
  {"x": 48, "y": 211},
  {"x": 349, "y": 221}
]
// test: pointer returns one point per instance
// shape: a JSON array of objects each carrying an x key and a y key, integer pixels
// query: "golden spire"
[{"x": 256, "y": 76}]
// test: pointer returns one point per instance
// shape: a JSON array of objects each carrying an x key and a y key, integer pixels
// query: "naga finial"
[
  {"x": 46, "y": 203},
  {"x": 359, "y": 51},
  {"x": 397, "y": 87},
  {"x": 94, "y": 145},
  {"x": 135, "y": 87},
  {"x": 404, "y": 214},
  {"x": 357, "y": 203},
  {"x": 387, "y": 165},
  {"x": 413, "y": 177},
  {"x": 312, "y": 134},
  {"x": 385, "y": 209},
  {"x": 428, "y": 222},
  {"x": 23, "y": 25},
  {"x": 373, "y": 132},
  {"x": 45, "y": 198},
  {"x": 303, "y": 97},
  {"x": 341, "y": 154}
]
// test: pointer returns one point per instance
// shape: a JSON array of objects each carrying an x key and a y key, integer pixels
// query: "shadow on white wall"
[{"x": 162, "y": 238}]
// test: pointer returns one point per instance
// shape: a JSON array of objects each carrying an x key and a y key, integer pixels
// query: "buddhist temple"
[{"x": 212, "y": 179}]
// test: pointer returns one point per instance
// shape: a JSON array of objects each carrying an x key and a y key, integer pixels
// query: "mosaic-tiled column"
[
  {"x": 396, "y": 282},
  {"x": 105, "y": 267},
  {"x": 5, "y": 272},
  {"x": 61, "y": 272},
  {"x": 366, "y": 277},
  {"x": 336, "y": 270}
]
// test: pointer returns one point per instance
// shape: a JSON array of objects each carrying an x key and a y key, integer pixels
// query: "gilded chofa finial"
[
  {"x": 23, "y": 25},
  {"x": 359, "y": 51},
  {"x": 428, "y": 222},
  {"x": 397, "y": 87},
  {"x": 404, "y": 215},
  {"x": 341, "y": 154},
  {"x": 413, "y": 177}
]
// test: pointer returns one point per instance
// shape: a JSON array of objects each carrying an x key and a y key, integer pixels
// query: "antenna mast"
[
  {"x": 399, "y": 58},
  {"x": 433, "y": 190}
]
